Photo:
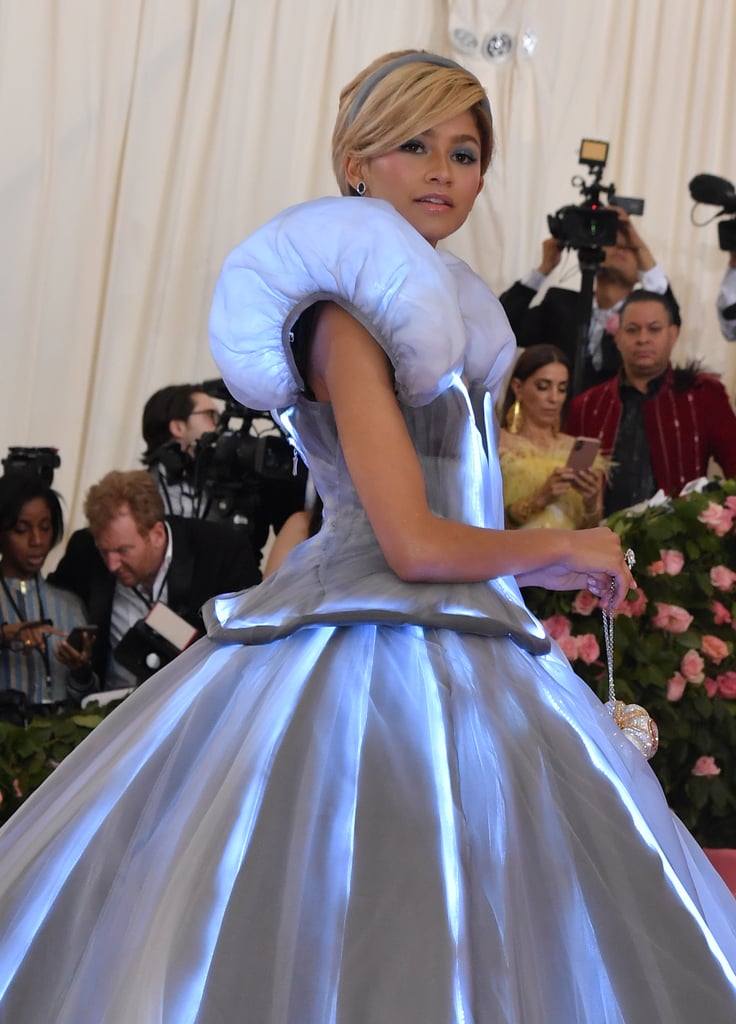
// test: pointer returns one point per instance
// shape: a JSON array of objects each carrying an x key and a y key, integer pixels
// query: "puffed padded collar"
[{"x": 431, "y": 314}]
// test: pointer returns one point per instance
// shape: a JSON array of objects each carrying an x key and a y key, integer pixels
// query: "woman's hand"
[
  {"x": 559, "y": 481},
  {"x": 71, "y": 657},
  {"x": 589, "y": 485},
  {"x": 594, "y": 560},
  {"x": 556, "y": 484},
  {"x": 25, "y": 636}
]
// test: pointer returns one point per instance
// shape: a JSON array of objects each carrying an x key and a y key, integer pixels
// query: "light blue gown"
[{"x": 359, "y": 800}]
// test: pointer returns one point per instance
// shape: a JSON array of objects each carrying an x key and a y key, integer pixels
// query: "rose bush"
[{"x": 674, "y": 647}]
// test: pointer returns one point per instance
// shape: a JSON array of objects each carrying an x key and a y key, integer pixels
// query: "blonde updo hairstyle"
[{"x": 407, "y": 100}]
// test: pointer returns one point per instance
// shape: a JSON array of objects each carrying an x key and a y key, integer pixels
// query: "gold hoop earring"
[{"x": 514, "y": 418}]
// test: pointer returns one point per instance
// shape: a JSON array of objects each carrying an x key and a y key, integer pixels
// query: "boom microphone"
[{"x": 714, "y": 191}]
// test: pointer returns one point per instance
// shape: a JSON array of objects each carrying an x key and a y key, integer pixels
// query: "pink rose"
[
  {"x": 721, "y": 614},
  {"x": 585, "y": 603},
  {"x": 730, "y": 503},
  {"x": 569, "y": 646},
  {"x": 676, "y": 687},
  {"x": 717, "y": 518},
  {"x": 692, "y": 667},
  {"x": 705, "y": 766},
  {"x": 672, "y": 561},
  {"x": 727, "y": 685},
  {"x": 711, "y": 686},
  {"x": 722, "y": 578},
  {"x": 656, "y": 568},
  {"x": 557, "y": 626},
  {"x": 671, "y": 618},
  {"x": 634, "y": 607},
  {"x": 16, "y": 789},
  {"x": 714, "y": 648},
  {"x": 588, "y": 649}
]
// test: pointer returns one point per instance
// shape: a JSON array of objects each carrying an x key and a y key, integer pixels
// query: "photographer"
[
  {"x": 712, "y": 190},
  {"x": 174, "y": 419},
  {"x": 133, "y": 556},
  {"x": 233, "y": 466},
  {"x": 626, "y": 265},
  {"x": 726, "y": 301}
]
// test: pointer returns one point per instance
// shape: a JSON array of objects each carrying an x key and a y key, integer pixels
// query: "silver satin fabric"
[
  {"x": 363, "y": 824},
  {"x": 373, "y": 819}
]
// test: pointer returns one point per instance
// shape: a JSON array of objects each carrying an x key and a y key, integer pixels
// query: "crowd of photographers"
[{"x": 159, "y": 542}]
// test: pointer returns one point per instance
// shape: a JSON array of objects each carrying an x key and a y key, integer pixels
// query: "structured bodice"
[
  {"x": 441, "y": 327},
  {"x": 340, "y": 576}
]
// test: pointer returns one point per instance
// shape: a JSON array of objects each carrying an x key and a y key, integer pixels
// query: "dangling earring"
[
  {"x": 514, "y": 418},
  {"x": 360, "y": 188}
]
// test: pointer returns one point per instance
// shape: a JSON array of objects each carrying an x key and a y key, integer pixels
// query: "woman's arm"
[{"x": 350, "y": 370}]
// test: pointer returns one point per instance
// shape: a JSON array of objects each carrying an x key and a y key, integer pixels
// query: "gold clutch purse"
[{"x": 637, "y": 725}]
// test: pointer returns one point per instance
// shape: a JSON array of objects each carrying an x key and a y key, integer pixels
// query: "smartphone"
[
  {"x": 583, "y": 453},
  {"x": 76, "y": 637}
]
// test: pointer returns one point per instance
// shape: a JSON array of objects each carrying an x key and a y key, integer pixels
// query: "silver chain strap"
[{"x": 607, "y": 613}]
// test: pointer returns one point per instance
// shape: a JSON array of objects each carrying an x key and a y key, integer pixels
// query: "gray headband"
[{"x": 418, "y": 57}]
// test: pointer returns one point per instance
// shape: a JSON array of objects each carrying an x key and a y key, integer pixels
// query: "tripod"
[{"x": 590, "y": 259}]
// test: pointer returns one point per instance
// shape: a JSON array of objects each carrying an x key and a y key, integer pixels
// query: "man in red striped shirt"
[{"x": 659, "y": 424}]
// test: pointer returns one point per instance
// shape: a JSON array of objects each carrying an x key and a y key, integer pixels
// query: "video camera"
[
  {"x": 714, "y": 191},
  {"x": 246, "y": 469},
  {"x": 229, "y": 453},
  {"x": 42, "y": 461},
  {"x": 590, "y": 226}
]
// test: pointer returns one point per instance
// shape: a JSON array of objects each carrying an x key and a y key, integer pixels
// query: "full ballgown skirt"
[{"x": 411, "y": 814}]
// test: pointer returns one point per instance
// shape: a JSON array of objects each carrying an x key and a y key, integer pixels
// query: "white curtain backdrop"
[{"x": 142, "y": 139}]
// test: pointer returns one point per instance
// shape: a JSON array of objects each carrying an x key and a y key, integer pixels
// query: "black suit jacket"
[
  {"x": 208, "y": 558},
  {"x": 555, "y": 322}
]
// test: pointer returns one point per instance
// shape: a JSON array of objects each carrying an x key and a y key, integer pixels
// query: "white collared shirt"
[{"x": 129, "y": 605}]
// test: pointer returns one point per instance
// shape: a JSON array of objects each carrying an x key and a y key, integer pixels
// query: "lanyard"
[
  {"x": 150, "y": 601},
  {"x": 23, "y": 617}
]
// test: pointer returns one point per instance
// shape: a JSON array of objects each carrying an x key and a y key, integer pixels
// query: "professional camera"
[
  {"x": 246, "y": 467},
  {"x": 590, "y": 226},
  {"x": 714, "y": 191},
  {"x": 42, "y": 461}
]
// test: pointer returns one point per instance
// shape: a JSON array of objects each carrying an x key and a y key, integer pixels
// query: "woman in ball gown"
[
  {"x": 540, "y": 490},
  {"x": 375, "y": 793}
]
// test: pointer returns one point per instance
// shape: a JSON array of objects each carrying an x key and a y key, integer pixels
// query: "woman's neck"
[
  {"x": 10, "y": 574},
  {"x": 541, "y": 437}
]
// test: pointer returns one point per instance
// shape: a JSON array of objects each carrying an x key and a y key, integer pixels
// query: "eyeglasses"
[{"x": 212, "y": 413}]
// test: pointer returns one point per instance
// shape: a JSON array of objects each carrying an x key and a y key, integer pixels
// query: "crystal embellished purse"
[{"x": 633, "y": 720}]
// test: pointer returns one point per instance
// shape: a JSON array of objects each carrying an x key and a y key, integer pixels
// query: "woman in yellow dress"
[{"x": 540, "y": 490}]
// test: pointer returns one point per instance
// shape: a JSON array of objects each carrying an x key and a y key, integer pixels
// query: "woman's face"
[
  {"x": 543, "y": 394},
  {"x": 26, "y": 544},
  {"x": 432, "y": 179}
]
